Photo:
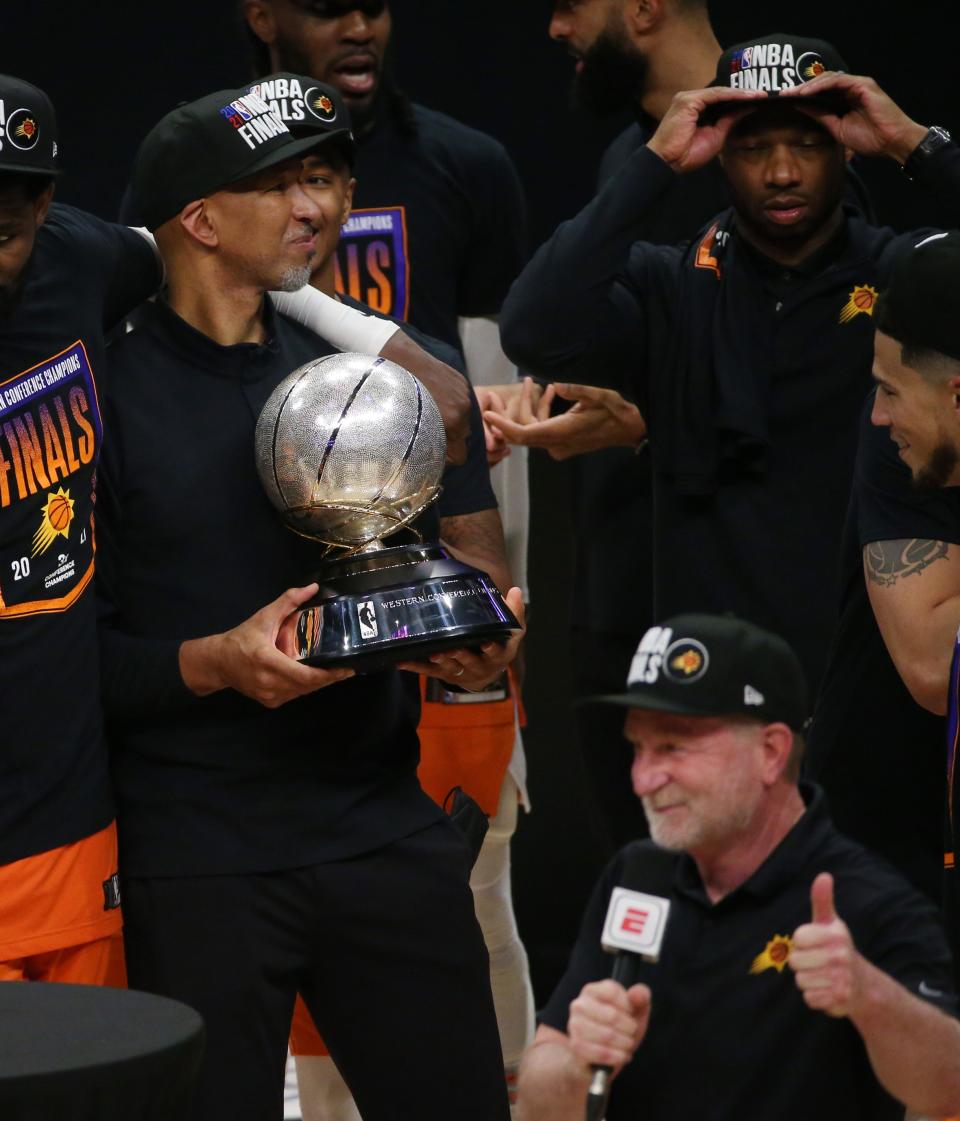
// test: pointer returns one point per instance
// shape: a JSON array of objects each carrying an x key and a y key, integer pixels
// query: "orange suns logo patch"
[
  {"x": 861, "y": 301},
  {"x": 687, "y": 663},
  {"x": 27, "y": 129},
  {"x": 57, "y": 516},
  {"x": 775, "y": 956}
]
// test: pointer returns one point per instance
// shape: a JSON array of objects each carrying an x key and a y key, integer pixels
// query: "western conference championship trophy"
[{"x": 350, "y": 449}]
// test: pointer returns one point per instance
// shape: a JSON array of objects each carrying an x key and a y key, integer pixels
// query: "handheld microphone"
[{"x": 633, "y": 930}]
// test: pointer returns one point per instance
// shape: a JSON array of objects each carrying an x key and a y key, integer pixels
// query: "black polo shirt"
[
  {"x": 730, "y": 1036},
  {"x": 190, "y": 546}
]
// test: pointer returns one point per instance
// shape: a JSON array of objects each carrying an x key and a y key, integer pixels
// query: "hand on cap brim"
[
  {"x": 690, "y": 134},
  {"x": 873, "y": 124}
]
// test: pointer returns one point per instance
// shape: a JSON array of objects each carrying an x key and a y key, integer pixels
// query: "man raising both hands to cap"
[
  {"x": 860, "y": 1023},
  {"x": 748, "y": 350}
]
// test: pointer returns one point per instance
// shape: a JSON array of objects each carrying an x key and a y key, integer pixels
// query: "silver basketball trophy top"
[{"x": 350, "y": 449}]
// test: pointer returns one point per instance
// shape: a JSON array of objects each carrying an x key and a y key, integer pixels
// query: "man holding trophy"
[{"x": 274, "y": 838}]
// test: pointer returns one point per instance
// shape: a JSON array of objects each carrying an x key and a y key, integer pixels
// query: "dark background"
[{"x": 113, "y": 69}]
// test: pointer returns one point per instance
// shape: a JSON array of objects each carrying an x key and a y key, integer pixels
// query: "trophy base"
[{"x": 401, "y": 604}]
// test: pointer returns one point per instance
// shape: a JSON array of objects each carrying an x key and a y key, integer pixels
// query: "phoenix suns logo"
[
  {"x": 776, "y": 954},
  {"x": 56, "y": 521},
  {"x": 861, "y": 301}
]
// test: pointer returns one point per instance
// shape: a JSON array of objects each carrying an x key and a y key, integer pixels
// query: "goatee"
[{"x": 939, "y": 468}]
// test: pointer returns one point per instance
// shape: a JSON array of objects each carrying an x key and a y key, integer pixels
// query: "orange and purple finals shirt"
[{"x": 84, "y": 277}]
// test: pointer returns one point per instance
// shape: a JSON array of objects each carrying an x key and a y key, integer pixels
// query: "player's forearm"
[
  {"x": 914, "y": 1048},
  {"x": 477, "y": 539},
  {"x": 559, "y": 319},
  {"x": 201, "y": 665},
  {"x": 552, "y": 1084},
  {"x": 449, "y": 389}
]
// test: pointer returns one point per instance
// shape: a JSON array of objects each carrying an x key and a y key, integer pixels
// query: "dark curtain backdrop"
[{"x": 113, "y": 69}]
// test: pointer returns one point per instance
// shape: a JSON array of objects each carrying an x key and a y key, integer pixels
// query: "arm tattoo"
[
  {"x": 886, "y": 561},
  {"x": 479, "y": 534}
]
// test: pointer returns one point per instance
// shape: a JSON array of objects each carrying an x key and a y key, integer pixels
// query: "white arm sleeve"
[
  {"x": 488, "y": 365},
  {"x": 341, "y": 326}
]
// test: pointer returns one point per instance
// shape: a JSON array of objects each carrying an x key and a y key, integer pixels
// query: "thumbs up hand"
[{"x": 828, "y": 970}]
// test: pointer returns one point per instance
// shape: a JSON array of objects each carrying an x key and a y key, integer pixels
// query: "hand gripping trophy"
[{"x": 350, "y": 449}]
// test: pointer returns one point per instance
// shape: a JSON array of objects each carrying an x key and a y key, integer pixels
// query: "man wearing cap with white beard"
[{"x": 798, "y": 977}]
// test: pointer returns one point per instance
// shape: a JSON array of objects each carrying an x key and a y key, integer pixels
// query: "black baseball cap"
[
  {"x": 715, "y": 665},
  {"x": 309, "y": 108},
  {"x": 773, "y": 64},
  {"x": 205, "y": 145},
  {"x": 921, "y": 304},
  {"x": 28, "y": 129}
]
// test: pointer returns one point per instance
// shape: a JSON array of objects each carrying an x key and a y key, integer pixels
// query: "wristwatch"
[{"x": 935, "y": 139}]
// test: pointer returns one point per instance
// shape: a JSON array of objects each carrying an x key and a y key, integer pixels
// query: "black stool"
[{"x": 83, "y": 1053}]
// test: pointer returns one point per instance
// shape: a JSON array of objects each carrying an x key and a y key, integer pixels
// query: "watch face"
[{"x": 941, "y": 132}]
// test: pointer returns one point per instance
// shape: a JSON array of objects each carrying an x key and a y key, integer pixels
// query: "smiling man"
[
  {"x": 435, "y": 237},
  {"x": 780, "y": 932},
  {"x": 274, "y": 837},
  {"x": 878, "y": 732}
]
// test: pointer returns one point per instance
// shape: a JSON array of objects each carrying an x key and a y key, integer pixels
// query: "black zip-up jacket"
[{"x": 597, "y": 306}]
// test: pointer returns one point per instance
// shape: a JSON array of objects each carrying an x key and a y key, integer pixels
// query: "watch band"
[{"x": 936, "y": 138}]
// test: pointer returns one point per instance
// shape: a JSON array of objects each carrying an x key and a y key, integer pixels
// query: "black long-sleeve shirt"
[{"x": 189, "y": 545}]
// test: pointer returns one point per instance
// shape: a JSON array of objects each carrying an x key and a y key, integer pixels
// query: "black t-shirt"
[
  {"x": 612, "y": 497},
  {"x": 85, "y": 275},
  {"x": 190, "y": 546},
  {"x": 595, "y": 304},
  {"x": 730, "y": 1035},
  {"x": 878, "y": 755},
  {"x": 438, "y": 227}
]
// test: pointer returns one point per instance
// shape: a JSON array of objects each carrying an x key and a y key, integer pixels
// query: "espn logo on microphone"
[{"x": 636, "y": 922}]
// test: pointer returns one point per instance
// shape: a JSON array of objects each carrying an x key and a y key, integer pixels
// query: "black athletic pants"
[{"x": 385, "y": 949}]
